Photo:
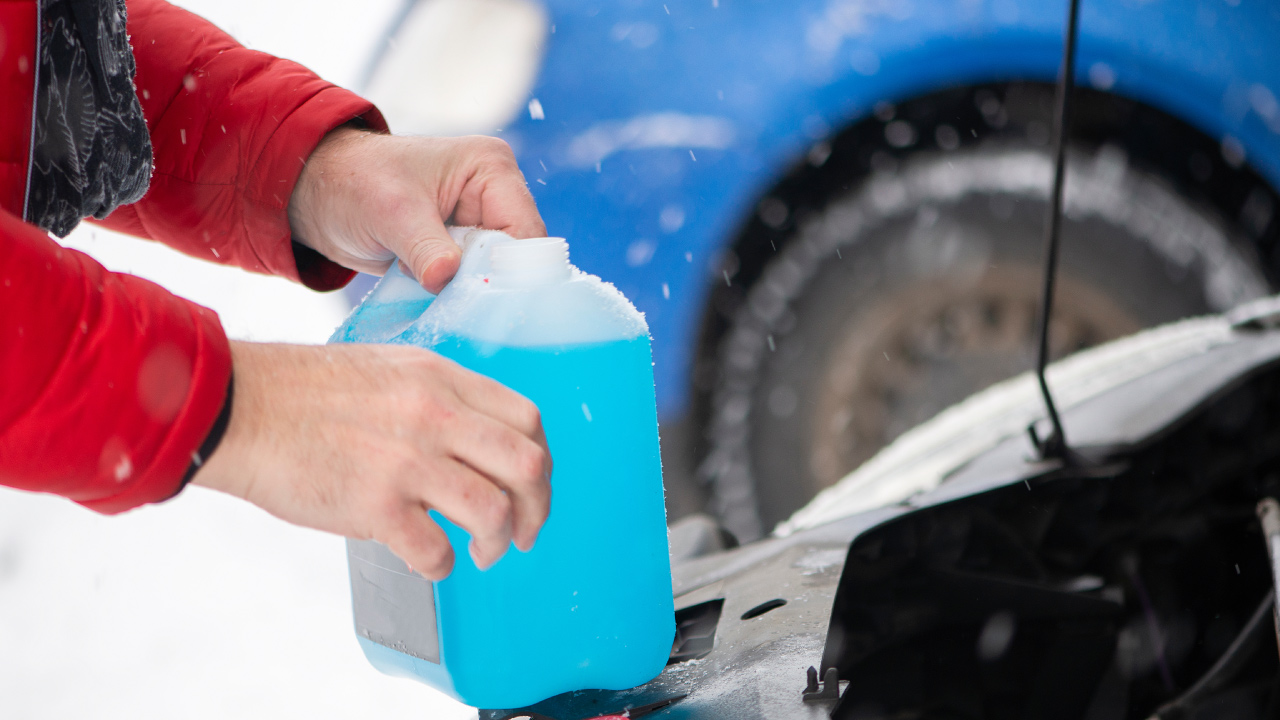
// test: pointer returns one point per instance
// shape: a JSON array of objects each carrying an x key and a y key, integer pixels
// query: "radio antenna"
[{"x": 1055, "y": 446}]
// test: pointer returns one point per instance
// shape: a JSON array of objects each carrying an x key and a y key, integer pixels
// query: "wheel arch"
[{"x": 1191, "y": 160}]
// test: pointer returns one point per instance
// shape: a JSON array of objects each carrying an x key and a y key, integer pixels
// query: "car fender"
[{"x": 658, "y": 126}]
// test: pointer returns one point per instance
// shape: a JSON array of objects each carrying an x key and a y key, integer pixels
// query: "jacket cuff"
[
  {"x": 273, "y": 179},
  {"x": 165, "y": 475},
  {"x": 213, "y": 439}
]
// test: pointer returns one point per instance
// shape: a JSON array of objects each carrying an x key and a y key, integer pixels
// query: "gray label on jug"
[{"x": 393, "y": 606}]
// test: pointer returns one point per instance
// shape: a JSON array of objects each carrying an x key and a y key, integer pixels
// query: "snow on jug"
[{"x": 590, "y": 605}]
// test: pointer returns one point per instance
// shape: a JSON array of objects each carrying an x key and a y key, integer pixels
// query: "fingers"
[
  {"x": 474, "y": 503},
  {"x": 479, "y": 457},
  {"x": 502, "y": 203},
  {"x": 470, "y": 181},
  {"x": 518, "y": 464},
  {"x": 500, "y": 402},
  {"x": 432, "y": 256},
  {"x": 416, "y": 539},
  {"x": 363, "y": 196},
  {"x": 524, "y": 470},
  {"x": 307, "y": 416},
  {"x": 496, "y": 195},
  {"x": 514, "y": 208}
]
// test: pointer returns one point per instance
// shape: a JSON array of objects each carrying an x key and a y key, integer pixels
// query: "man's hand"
[
  {"x": 365, "y": 199},
  {"x": 363, "y": 440}
]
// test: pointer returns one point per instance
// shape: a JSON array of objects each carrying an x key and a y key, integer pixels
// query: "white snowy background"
[{"x": 203, "y": 607}]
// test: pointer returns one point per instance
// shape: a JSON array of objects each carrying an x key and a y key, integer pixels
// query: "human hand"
[
  {"x": 365, "y": 199},
  {"x": 363, "y": 440}
]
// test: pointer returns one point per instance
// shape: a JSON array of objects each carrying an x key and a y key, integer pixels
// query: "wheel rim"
[
  {"x": 911, "y": 355},
  {"x": 1103, "y": 189}
]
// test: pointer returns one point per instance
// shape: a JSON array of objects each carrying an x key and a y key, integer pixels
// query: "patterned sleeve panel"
[
  {"x": 110, "y": 381},
  {"x": 231, "y": 130},
  {"x": 90, "y": 150}
]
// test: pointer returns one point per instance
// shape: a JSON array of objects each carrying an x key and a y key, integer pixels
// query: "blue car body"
[{"x": 658, "y": 126}]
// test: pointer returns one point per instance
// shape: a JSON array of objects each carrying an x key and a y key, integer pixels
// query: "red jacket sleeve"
[
  {"x": 109, "y": 381},
  {"x": 232, "y": 129}
]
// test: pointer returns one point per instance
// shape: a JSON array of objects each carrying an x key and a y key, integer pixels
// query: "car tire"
[{"x": 921, "y": 287}]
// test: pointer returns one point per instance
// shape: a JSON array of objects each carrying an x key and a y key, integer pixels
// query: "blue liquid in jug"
[{"x": 590, "y": 606}]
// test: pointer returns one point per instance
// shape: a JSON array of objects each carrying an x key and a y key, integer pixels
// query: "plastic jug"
[{"x": 590, "y": 605}]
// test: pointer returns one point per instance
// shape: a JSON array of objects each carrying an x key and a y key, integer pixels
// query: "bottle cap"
[{"x": 535, "y": 261}]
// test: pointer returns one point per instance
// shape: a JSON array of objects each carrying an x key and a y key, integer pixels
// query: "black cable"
[
  {"x": 1232, "y": 661},
  {"x": 1055, "y": 446}
]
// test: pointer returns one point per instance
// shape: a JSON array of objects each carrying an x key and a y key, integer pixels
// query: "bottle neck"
[{"x": 530, "y": 263}]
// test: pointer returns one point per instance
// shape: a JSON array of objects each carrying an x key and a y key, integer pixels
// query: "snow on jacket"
[{"x": 109, "y": 383}]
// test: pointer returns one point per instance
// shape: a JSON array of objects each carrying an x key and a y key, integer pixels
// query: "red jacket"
[{"x": 109, "y": 383}]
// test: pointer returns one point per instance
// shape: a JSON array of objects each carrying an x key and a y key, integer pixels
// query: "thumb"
[{"x": 432, "y": 256}]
